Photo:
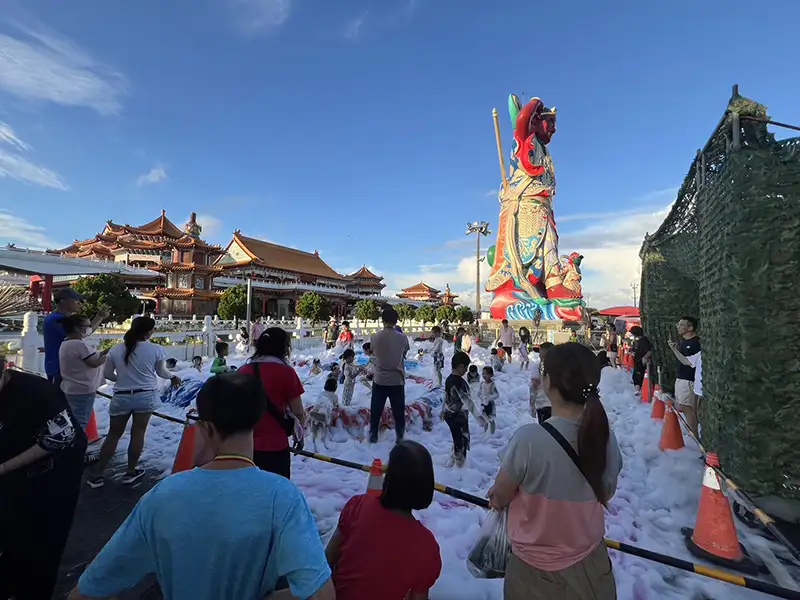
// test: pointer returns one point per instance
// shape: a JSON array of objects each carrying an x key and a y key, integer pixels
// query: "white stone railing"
[{"x": 186, "y": 338}]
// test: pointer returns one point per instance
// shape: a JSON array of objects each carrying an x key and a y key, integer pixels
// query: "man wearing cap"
[{"x": 67, "y": 302}]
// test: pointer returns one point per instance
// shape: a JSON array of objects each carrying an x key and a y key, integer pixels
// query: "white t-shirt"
[
  {"x": 696, "y": 360},
  {"x": 140, "y": 372}
]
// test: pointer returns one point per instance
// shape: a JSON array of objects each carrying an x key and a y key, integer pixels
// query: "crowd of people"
[{"x": 237, "y": 523}]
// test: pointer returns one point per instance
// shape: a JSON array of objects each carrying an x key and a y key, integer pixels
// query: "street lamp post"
[{"x": 479, "y": 228}]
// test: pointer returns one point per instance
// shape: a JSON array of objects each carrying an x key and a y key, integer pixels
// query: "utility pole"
[
  {"x": 635, "y": 287},
  {"x": 479, "y": 228}
]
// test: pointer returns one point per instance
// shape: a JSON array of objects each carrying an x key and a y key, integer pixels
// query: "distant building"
[
  {"x": 421, "y": 293},
  {"x": 449, "y": 298},
  {"x": 182, "y": 263},
  {"x": 281, "y": 275},
  {"x": 364, "y": 283}
]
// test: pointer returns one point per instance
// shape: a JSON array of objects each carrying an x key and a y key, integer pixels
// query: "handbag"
[{"x": 285, "y": 422}]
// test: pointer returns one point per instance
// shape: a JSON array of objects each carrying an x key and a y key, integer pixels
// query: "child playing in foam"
[
  {"x": 488, "y": 396},
  {"x": 321, "y": 416}
]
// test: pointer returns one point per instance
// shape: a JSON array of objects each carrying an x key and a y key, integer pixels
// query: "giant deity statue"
[{"x": 528, "y": 275}]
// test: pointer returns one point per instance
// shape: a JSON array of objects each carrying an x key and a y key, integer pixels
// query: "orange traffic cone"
[
  {"x": 187, "y": 448},
  {"x": 671, "y": 436},
  {"x": 658, "y": 405},
  {"x": 91, "y": 429},
  {"x": 646, "y": 387},
  {"x": 714, "y": 535},
  {"x": 375, "y": 483}
]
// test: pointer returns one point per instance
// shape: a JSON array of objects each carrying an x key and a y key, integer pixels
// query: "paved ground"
[{"x": 97, "y": 517}]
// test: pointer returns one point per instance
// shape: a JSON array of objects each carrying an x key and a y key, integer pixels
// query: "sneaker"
[
  {"x": 90, "y": 459},
  {"x": 96, "y": 482},
  {"x": 130, "y": 478}
]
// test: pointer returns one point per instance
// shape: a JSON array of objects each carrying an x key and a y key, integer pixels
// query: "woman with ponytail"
[
  {"x": 134, "y": 366},
  {"x": 555, "y": 479}
]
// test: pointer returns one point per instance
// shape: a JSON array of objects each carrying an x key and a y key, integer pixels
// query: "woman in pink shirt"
[{"x": 555, "y": 479}]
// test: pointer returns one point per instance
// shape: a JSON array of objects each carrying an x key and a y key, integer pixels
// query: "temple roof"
[
  {"x": 364, "y": 273},
  {"x": 274, "y": 256},
  {"x": 175, "y": 267},
  {"x": 158, "y": 226},
  {"x": 180, "y": 294},
  {"x": 164, "y": 233},
  {"x": 420, "y": 288}
]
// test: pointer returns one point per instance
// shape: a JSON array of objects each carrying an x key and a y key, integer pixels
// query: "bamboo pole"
[{"x": 500, "y": 158}]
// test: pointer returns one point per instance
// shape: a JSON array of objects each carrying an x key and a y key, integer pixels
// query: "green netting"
[{"x": 729, "y": 252}]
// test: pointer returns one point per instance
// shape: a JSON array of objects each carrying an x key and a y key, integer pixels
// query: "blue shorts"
[
  {"x": 81, "y": 407},
  {"x": 123, "y": 404}
]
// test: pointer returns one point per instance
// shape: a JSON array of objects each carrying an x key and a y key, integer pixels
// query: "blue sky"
[{"x": 363, "y": 128}]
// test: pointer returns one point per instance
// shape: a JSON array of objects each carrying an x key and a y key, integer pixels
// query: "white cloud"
[
  {"x": 155, "y": 175},
  {"x": 255, "y": 17},
  {"x": 15, "y": 165},
  {"x": 354, "y": 28},
  {"x": 211, "y": 225},
  {"x": 41, "y": 65},
  {"x": 610, "y": 244},
  {"x": 16, "y": 230}
]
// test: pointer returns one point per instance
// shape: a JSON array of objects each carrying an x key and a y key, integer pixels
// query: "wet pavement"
[{"x": 98, "y": 515}]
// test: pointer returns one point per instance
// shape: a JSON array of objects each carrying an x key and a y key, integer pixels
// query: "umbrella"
[{"x": 620, "y": 311}]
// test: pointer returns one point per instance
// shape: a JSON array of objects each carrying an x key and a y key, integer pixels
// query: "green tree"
[
  {"x": 108, "y": 290},
  {"x": 367, "y": 310},
  {"x": 233, "y": 303},
  {"x": 426, "y": 314},
  {"x": 464, "y": 314},
  {"x": 406, "y": 312},
  {"x": 446, "y": 313},
  {"x": 313, "y": 307}
]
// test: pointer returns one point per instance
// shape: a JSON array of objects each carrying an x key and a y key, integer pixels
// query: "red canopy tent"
[{"x": 620, "y": 311}]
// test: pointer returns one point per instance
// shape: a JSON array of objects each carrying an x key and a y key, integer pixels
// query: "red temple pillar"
[
  {"x": 264, "y": 307},
  {"x": 158, "y": 305},
  {"x": 47, "y": 293},
  {"x": 35, "y": 287}
]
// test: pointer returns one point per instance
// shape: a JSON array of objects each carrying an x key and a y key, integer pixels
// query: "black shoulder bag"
[
  {"x": 286, "y": 422},
  {"x": 565, "y": 445}
]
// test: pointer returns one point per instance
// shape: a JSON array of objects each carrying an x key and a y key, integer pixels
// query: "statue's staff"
[{"x": 499, "y": 148}]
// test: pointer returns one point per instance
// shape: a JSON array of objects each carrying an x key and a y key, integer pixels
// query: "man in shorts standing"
[{"x": 688, "y": 346}]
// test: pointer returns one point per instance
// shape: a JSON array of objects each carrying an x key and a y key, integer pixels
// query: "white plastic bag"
[{"x": 489, "y": 555}]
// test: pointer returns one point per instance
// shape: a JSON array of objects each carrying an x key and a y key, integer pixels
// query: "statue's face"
[{"x": 545, "y": 127}]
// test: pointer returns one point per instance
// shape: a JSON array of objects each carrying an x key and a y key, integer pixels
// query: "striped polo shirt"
[{"x": 554, "y": 520}]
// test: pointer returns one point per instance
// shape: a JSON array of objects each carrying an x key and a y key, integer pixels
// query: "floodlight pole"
[{"x": 479, "y": 228}]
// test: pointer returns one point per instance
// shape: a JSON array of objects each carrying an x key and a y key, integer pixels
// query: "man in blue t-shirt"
[
  {"x": 67, "y": 302},
  {"x": 224, "y": 530},
  {"x": 688, "y": 345}
]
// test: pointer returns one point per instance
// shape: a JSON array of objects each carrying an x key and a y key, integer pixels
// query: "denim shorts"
[
  {"x": 81, "y": 408},
  {"x": 141, "y": 402}
]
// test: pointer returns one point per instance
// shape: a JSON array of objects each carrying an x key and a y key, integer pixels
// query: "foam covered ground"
[{"x": 657, "y": 494}]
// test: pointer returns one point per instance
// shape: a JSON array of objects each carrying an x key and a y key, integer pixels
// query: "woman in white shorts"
[{"x": 134, "y": 366}]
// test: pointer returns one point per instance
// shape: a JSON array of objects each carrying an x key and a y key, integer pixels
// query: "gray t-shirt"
[{"x": 389, "y": 347}]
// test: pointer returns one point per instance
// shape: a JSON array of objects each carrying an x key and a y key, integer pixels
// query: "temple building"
[
  {"x": 448, "y": 298},
  {"x": 421, "y": 293},
  {"x": 364, "y": 283},
  {"x": 280, "y": 275},
  {"x": 181, "y": 262}
]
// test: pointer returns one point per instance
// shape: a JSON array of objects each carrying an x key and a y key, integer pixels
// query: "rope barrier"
[
  {"x": 678, "y": 563},
  {"x": 671, "y": 561},
  {"x": 740, "y": 495}
]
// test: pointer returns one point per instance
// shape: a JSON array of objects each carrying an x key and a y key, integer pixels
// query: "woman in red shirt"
[
  {"x": 283, "y": 388},
  {"x": 403, "y": 562}
]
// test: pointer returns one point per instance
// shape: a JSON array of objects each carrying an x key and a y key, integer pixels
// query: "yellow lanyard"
[{"x": 223, "y": 457}]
